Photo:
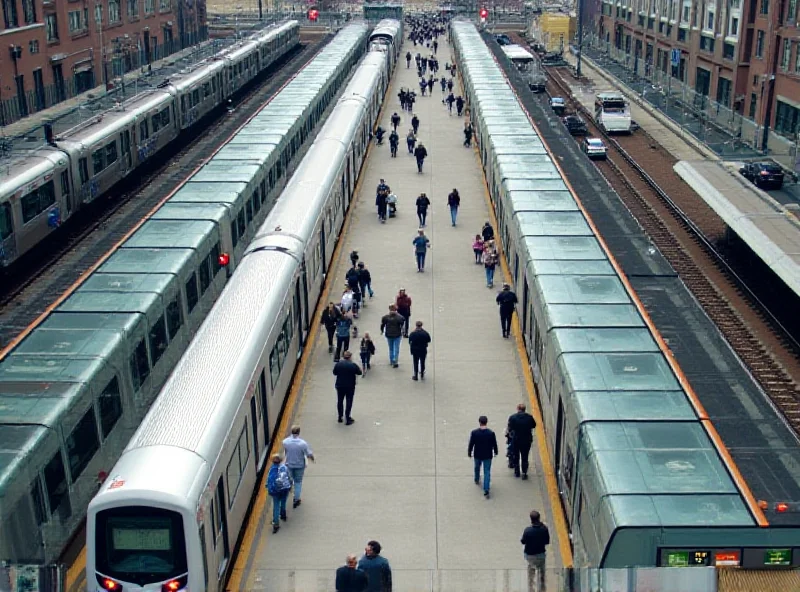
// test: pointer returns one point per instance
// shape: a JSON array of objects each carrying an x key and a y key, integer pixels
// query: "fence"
[
  {"x": 723, "y": 130},
  {"x": 119, "y": 63}
]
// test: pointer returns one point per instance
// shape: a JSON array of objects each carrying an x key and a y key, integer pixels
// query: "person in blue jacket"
[{"x": 279, "y": 483}]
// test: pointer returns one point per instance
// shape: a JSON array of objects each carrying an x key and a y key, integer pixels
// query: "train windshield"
[
  {"x": 140, "y": 544},
  {"x": 616, "y": 105}
]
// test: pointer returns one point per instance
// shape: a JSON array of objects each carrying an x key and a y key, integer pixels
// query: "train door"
[
  {"x": 524, "y": 309},
  {"x": 298, "y": 311},
  {"x": 223, "y": 521},
  {"x": 322, "y": 247},
  {"x": 254, "y": 415},
  {"x": 8, "y": 246},
  {"x": 559, "y": 438},
  {"x": 516, "y": 268},
  {"x": 125, "y": 147},
  {"x": 262, "y": 394},
  {"x": 306, "y": 312}
]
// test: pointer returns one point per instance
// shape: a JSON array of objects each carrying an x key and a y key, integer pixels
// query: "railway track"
[
  {"x": 55, "y": 268},
  {"x": 687, "y": 233}
]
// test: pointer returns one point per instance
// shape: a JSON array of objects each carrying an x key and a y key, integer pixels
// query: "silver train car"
[
  {"x": 641, "y": 480},
  {"x": 73, "y": 392},
  {"x": 40, "y": 191},
  {"x": 186, "y": 479},
  {"x": 383, "y": 38}
]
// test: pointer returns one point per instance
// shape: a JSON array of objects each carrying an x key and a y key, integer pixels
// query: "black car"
[
  {"x": 763, "y": 174},
  {"x": 575, "y": 125},
  {"x": 537, "y": 83},
  {"x": 503, "y": 39}
]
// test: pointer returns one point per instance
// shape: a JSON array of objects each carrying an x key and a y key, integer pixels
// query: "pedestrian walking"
[
  {"x": 394, "y": 141},
  {"x": 506, "y": 300},
  {"x": 421, "y": 245},
  {"x": 443, "y": 83},
  {"x": 296, "y": 450},
  {"x": 403, "y": 303},
  {"x": 343, "y": 324},
  {"x": 330, "y": 316},
  {"x": 467, "y": 134},
  {"x": 520, "y": 429},
  {"x": 450, "y": 100},
  {"x": 379, "y": 573},
  {"x": 477, "y": 249},
  {"x": 392, "y": 328},
  {"x": 535, "y": 539},
  {"x": 365, "y": 280},
  {"x": 415, "y": 124},
  {"x": 482, "y": 448},
  {"x": 408, "y": 59},
  {"x": 487, "y": 232},
  {"x": 353, "y": 258},
  {"x": 411, "y": 140},
  {"x": 279, "y": 483},
  {"x": 453, "y": 202},
  {"x": 422, "y": 208},
  {"x": 435, "y": 45},
  {"x": 490, "y": 259},
  {"x": 395, "y": 120},
  {"x": 380, "y": 202},
  {"x": 420, "y": 153},
  {"x": 418, "y": 341},
  {"x": 431, "y": 82},
  {"x": 459, "y": 104},
  {"x": 349, "y": 302},
  {"x": 349, "y": 578},
  {"x": 423, "y": 85},
  {"x": 345, "y": 372},
  {"x": 367, "y": 350},
  {"x": 450, "y": 85}
]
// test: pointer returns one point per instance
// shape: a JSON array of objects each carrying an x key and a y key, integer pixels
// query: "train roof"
[{"x": 517, "y": 53}]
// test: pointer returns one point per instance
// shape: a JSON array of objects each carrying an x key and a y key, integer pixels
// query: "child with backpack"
[
  {"x": 477, "y": 248},
  {"x": 367, "y": 351},
  {"x": 279, "y": 483}
]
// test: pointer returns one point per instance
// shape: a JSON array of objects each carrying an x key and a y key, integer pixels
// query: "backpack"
[{"x": 282, "y": 482}]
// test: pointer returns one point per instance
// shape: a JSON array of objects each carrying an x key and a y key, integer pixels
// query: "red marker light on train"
[
  {"x": 109, "y": 584},
  {"x": 484, "y": 13},
  {"x": 313, "y": 14},
  {"x": 176, "y": 584},
  {"x": 781, "y": 507},
  {"x": 224, "y": 259},
  {"x": 173, "y": 586}
]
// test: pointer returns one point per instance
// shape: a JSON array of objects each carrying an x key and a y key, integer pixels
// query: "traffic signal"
[
  {"x": 484, "y": 13},
  {"x": 313, "y": 14}
]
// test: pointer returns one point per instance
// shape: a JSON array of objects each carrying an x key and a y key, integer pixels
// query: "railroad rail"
[
  {"x": 685, "y": 234},
  {"x": 55, "y": 267}
]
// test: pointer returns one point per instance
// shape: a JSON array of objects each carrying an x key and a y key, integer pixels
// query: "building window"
[
  {"x": 149, "y": 6},
  {"x": 724, "y": 91},
  {"x": 792, "y": 13},
  {"x": 29, "y": 10},
  {"x": 787, "y": 54},
  {"x": 685, "y": 16},
  {"x": 682, "y": 35},
  {"x": 707, "y": 43},
  {"x": 98, "y": 14},
  {"x": 51, "y": 27},
  {"x": 113, "y": 11},
  {"x": 760, "y": 45},
  {"x": 733, "y": 30},
  {"x": 75, "y": 21},
  {"x": 797, "y": 59},
  {"x": 728, "y": 51},
  {"x": 10, "y": 13},
  {"x": 163, "y": 5},
  {"x": 133, "y": 9},
  {"x": 764, "y": 6},
  {"x": 33, "y": 46},
  {"x": 753, "y": 105},
  {"x": 787, "y": 119},
  {"x": 710, "y": 21}
]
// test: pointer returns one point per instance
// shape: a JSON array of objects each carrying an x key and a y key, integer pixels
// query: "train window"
[
  {"x": 144, "y": 132},
  {"x": 158, "y": 339},
  {"x": 248, "y": 206},
  {"x": 165, "y": 117},
  {"x": 234, "y": 233},
  {"x": 98, "y": 162},
  {"x": 55, "y": 479},
  {"x": 140, "y": 365},
  {"x": 37, "y": 496},
  {"x": 191, "y": 293},
  {"x": 205, "y": 276},
  {"x": 156, "y": 122},
  {"x": 274, "y": 368},
  {"x": 174, "y": 320},
  {"x": 65, "y": 183},
  {"x": 288, "y": 330},
  {"x": 183, "y": 102},
  {"x": 201, "y": 533},
  {"x": 271, "y": 177},
  {"x": 83, "y": 169},
  {"x": 214, "y": 84},
  {"x": 6, "y": 221},
  {"x": 241, "y": 223},
  {"x": 237, "y": 465},
  {"x": 82, "y": 443},
  {"x": 110, "y": 407},
  {"x": 257, "y": 199},
  {"x": 259, "y": 395},
  {"x": 213, "y": 257},
  {"x": 263, "y": 191},
  {"x": 37, "y": 201},
  {"x": 207, "y": 89},
  {"x": 195, "y": 96},
  {"x": 111, "y": 153}
]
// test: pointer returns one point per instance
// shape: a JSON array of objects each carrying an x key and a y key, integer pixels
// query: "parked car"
[
  {"x": 537, "y": 83},
  {"x": 575, "y": 125},
  {"x": 595, "y": 148},
  {"x": 558, "y": 105},
  {"x": 503, "y": 39},
  {"x": 763, "y": 174}
]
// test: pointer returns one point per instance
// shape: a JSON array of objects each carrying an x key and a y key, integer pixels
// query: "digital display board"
[
  {"x": 728, "y": 558},
  {"x": 777, "y": 556},
  {"x": 141, "y": 539},
  {"x": 685, "y": 558}
]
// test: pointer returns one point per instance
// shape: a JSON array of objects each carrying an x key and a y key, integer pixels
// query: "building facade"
[
  {"x": 743, "y": 54},
  {"x": 60, "y": 48}
]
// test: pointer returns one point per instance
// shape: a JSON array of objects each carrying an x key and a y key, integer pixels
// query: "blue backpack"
[{"x": 283, "y": 482}]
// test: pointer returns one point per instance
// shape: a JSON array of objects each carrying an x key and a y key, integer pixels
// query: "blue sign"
[{"x": 675, "y": 57}]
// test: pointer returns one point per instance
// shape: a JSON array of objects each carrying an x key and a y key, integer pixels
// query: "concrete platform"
[
  {"x": 771, "y": 230},
  {"x": 401, "y": 474}
]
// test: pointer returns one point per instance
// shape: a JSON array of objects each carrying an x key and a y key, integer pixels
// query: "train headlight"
[
  {"x": 109, "y": 584},
  {"x": 176, "y": 584}
]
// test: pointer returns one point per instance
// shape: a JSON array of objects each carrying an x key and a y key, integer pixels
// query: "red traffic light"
[
  {"x": 313, "y": 14},
  {"x": 484, "y": 13}
]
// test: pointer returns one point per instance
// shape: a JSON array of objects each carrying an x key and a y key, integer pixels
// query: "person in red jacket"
[{"x": 403, "y": 303}]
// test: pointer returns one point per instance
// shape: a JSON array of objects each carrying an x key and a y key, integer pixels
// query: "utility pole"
[{"x": 579, "y": 5}]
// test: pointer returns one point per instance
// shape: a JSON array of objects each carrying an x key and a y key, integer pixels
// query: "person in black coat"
[
  {"x": 330, "y": 316},
  {"x": 482, "y": 447},
  {"x": 420, "y": 153},
  {"x": 507, "y": 300},
  {"x": 346, "y": 372},
  {"x": 349, "y": 578},
  {"x": 520, "y": 430},
  {"x": 418, "y": 341},
  {"x": 487, "y": 232}
]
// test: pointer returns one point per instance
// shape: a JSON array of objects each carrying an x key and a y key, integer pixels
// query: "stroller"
[{"x": 391, "y": 205}]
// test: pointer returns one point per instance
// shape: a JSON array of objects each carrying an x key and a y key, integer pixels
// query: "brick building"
[
  {"x": 51, "y": 50},
  {"x": 744, "y": 54}
]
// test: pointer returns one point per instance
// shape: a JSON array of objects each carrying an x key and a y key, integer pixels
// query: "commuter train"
[
  {"x": 641, "y": 481},
  {"x": 42, "y": 189},
  {"x": 73, "y": 392},
  {"x": 173, "y": 507}
]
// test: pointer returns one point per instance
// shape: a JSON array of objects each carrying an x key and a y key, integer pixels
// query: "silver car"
[{"x": 595, "y": 148}]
